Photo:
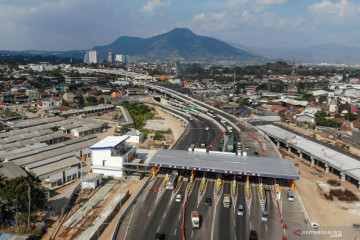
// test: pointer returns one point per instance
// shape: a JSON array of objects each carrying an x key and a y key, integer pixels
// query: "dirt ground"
[{"x": 312, "y": 189}]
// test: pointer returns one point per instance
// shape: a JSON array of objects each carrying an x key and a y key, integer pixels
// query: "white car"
[
  {"x": 178, "y": 198},
  {"x": 265, "y": 216}
]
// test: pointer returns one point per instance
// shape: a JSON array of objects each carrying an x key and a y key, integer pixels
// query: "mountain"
[
  {"x": 179, "y": 44},
  {"x": 330, "y": 53}
]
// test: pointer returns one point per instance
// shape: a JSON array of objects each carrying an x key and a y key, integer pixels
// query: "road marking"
[
  {"x": 129, "y": 222},
  {"x": 158, "y": 229},
  {"x": 266, "y": 227},
  {"x": 149, "y": 213},
  {"x": 234, "y": 222},
  {"x": 250, "y": 225},
  {"x": 213, "y": 223},
  {"x": 175, "y": 232},
  {"x": 164, "y": 215},
  {"x": 179, "y": 217},
  {"x": 192, "y": 232}
]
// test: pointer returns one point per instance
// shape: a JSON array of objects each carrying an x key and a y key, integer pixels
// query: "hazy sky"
[{"x": 83, "y": 24}]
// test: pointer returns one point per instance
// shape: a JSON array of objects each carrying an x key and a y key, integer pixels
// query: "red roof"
[
  {"x": 301, "y": 109},
  {"x": 273, "y": 108},
  {"x": 356, "y": 124},
  {"x": 345, "y": 128},
  {"x": 56, "y": 98},
  {"x": 92, "y": 92},
  {"x": 62, "y": 108},
  {"x": 280, "y": 109},
  {"x": 339, "y": 120}
]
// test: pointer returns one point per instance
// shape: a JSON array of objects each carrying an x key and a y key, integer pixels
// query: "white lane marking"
[
  {"x": 266, "y": 227},
  {"x": 213, "y": 223},
  {"x": 164, "y": 215},
  {"x": 175, "y": 232},
  {"x": 192, "y": 232},
  {"x": 235, "y": 237},
  {"x": 234, "y": 222},
  {"x": 158, "y": 229},
  {"x": 179, "y": 217},
  {"x": 129, "y": 222},
  {"x": 149, "y": 213}
]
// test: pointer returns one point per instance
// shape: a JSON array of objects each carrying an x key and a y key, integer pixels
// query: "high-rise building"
[
  {"x": 110, "y": 58},
  {"x": 91, "y": 57},
  {"x": 122, "y": 58}
]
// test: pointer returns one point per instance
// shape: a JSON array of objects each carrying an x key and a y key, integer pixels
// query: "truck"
[
  {"x": 226, "y": 201},
  {"x": 229, "y": 128},
  {"x": 191, "y": 147},
  {"x": 195, "y": 219},
  {"x": 230, "y": 144},
  {"x": 171, "y": 183}
]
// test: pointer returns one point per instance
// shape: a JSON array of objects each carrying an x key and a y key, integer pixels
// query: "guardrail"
[
  {"x": 307, "y": 218},
  {"x": 121, "y": 218}
]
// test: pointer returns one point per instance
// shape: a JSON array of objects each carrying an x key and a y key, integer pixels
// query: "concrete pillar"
[
  {"x": 342, "y": 177},
  {"x": 312, "y": 161},
  {"x": 289, "y": 149},
  {"x": 278, "y": 144},
  {"x": 326, "y": 168},
  {"x": 300, "y": 155}
]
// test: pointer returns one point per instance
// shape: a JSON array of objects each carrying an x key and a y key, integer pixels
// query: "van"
[
  {"x": 290, "y": 196},
  {"x": 241, "y": 210}
]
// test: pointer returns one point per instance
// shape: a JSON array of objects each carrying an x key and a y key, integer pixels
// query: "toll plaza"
[{"x": 218, "y": 162}]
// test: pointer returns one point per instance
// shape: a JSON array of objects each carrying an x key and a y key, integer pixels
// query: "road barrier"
[
  {"x": 262, "y": 148},
  {"x": 261, "y": 190},
  {"x": 203, "y": 185},
  {"x": 218, "y": 185},
  {"x": 234, "y": 185},
  {"x": 163, "y": 185},
  {"x": 128, "y": 208}
]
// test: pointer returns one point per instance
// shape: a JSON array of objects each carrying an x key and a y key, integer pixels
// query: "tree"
[
  {"x": 344, "y": 77},
  {"x": 101, "y": 100},
  {"x": 81, "y": 103},
  {"x": 24, "y": 194}
]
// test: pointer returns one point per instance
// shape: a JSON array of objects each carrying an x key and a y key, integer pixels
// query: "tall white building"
[
  {"x": 109, "y": 154},
  {"x": 110, "y": 58},
  {"x": 122, "y": 58},
  {"x": 91, "y": 57}
]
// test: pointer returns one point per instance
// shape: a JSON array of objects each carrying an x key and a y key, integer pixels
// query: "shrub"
[{"x": 333, "y": 183}]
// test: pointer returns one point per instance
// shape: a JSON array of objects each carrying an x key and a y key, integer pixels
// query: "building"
[
  {"x": 135, "y": 136},
  {"x": 308, "y": 115},
  {"x": 91, "y": 57},
  {"x": 43, "y": 66},
  {"x": 110, "y": 58},
  {"x": 122, "y": 58},
  {"x": 88, "y": 129},
  {"x": 91, "y": 180},
  {"x": 109, "y": 154}
]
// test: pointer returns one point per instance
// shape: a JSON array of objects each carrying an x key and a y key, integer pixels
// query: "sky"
[{"x": 83, "y": 24}]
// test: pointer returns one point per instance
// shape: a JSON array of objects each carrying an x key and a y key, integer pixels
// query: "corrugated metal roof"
[
  {"x": 88, "y": 127},
  {"x": 240, "y": 165},
  {"x": 11, "y": 170},
  {"x": 27, "y": 148},
  {"x": 55, "y": 166},
  {"x": 24, "y": 136},
  {"x": 35, "y": 122}
]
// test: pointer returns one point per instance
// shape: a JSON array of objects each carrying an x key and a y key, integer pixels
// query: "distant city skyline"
[{"x": 83, "y": 24}]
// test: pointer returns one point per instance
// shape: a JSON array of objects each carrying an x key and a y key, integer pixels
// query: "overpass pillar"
[
  {"x": 326, "y": 168},
  {"x": 342, "y": 176},
  {"x": 289, "y": 149},
  {"x": 278, "y": 144},
  {"x": 312, "y": 161},
  {"x": 300, "y": 154}
]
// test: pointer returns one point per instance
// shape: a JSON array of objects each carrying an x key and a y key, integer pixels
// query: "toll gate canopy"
[{"x": 224, "y": 163}]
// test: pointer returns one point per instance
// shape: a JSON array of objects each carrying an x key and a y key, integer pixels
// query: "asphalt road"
[{"x": 159, "y": 212}]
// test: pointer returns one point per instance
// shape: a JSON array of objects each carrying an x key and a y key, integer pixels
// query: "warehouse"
[
  {"x": 36, "y": 122},
  {"x": 101, "y": 108},
  {"x": 91, "y": 128}
]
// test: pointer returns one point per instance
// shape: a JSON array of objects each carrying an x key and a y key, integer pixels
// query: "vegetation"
[
  {"x": 9, "y": 114},
  {"x": 321, "y": 120},
  {"x": 23, "y": 197},
  {"x": 140, "y": 113}
]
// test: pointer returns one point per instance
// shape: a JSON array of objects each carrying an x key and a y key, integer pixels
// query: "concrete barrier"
[{"x": 122, "y": 216}]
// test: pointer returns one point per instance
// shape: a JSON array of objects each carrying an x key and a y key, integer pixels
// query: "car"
[
  {"x": 208, "y": 201},
  {"x": 221, "y": 140},
  {"x": 159, "y": 236},
  {"x": 204, "y": 122},
  {"x": 178, "y": 198},
  {"x": 247, "y": 147},
  {"x": 265, "y": 216},
  {"x": 256, "y": 153},
  {"x": 241, "y": 210},
  {"x": 253, "y": 235},
  {"x": 207, "y": 128}
]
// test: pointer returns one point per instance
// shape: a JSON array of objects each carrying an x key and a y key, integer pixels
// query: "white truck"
[
  {"x": 226, "y": 201},
  {"x": 195, "y": 219}
]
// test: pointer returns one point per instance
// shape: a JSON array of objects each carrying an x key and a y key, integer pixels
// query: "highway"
[{"x": 159, "y": 212}]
